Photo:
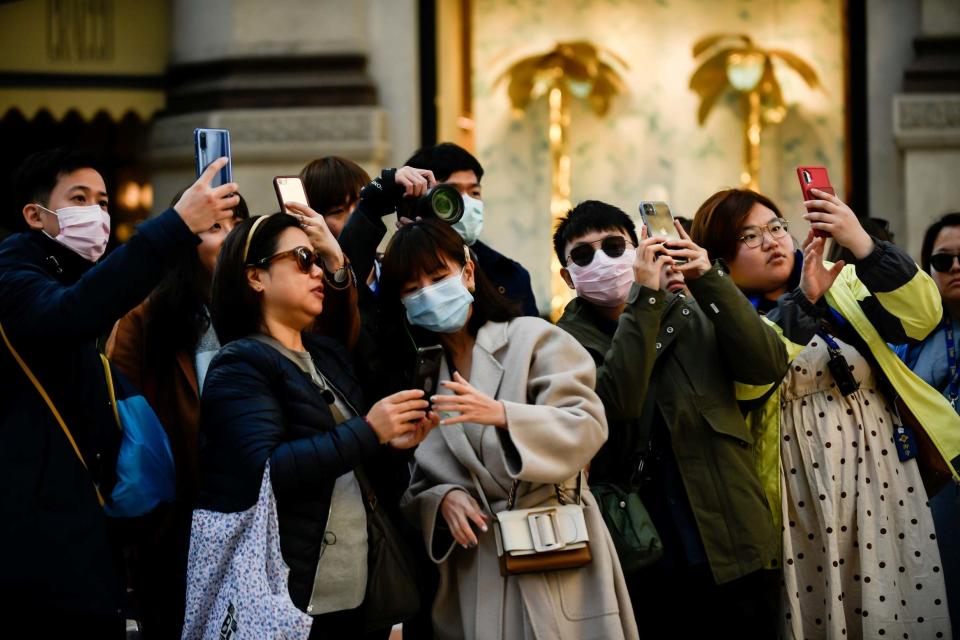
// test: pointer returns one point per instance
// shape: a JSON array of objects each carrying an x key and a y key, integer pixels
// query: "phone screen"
[
  {"x": 208, "y": 145},
  {"x": 659, "y": 220},
  {"x": 290, "y": 189}
]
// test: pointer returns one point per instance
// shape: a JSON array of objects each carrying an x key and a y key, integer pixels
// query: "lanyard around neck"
[{"x": 953, "y": 386}]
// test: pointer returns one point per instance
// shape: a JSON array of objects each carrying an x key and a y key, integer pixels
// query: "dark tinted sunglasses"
[
  {"x": 943, "y": 262},
  {"x": 305, "y": 259},
  {"x": 614, "y": 246}
]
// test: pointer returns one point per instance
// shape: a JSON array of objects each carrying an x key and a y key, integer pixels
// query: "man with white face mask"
[
  {"x": 56, "y": 298},
  {"x": 445, "y": 163},
  {"x": 671, "y": 334}
]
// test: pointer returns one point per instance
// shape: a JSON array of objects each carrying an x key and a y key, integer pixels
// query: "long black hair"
[
  {"x": 176, "y": 315},
  {"x": 234, "y": 306}
]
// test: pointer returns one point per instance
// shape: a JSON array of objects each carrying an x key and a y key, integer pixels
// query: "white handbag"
[{"x": 538, "y": 539}]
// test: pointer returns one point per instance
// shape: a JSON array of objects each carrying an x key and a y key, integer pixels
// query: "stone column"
[
  {"x": 292, "y": 81},
  {"x": 927, "y": 122}
]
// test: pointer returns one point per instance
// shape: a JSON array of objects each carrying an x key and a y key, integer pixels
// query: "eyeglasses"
[
  {"x": 753, "y": 236},
  {"x": 943, "y": 262},
  {"x": 305, "y": 259},
  {"x": 614, "y": 246}
]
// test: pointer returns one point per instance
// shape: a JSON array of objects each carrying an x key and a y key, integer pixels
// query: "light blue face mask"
[
  {"x": 442, "y": 307},
  {"x": 471, "y": 224}
]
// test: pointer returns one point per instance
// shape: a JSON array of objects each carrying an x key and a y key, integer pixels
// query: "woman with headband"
[{"x": 281, "y": 394}]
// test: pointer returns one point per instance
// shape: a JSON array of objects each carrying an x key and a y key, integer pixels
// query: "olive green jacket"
[{"x": 697, "y": 349}]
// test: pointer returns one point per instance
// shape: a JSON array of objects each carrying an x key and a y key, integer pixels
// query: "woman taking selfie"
[
  {"x": 859, "y": 548},
  {"x": 279, "y": 393},
  {"x": 522, "y": 421}
]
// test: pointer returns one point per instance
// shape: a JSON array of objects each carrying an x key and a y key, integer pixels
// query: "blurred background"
[{"x": 561, "y": 101}]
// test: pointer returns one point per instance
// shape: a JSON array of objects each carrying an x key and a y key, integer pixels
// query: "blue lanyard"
[
  {"x": 840, "y": 322},
  {"x": 831, "y": 343},
  {"x": 953, "y": 386}
]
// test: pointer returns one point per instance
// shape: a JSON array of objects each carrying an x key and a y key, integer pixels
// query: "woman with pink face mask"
[{"x": 670, "y": 339}]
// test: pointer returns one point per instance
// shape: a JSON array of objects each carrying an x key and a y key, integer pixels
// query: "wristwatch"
[{"x": 340, "y": 276}]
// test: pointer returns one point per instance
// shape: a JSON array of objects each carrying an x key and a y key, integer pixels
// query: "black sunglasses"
[
  {"x": 943, "y": 262},
  {"x": 305, "y": 258},
  {"x": 614, "y": 246}
]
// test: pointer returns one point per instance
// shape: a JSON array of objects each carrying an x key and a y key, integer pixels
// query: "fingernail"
[
  {"x": 484, "y": 528},
  {"x": 465, "y": 546}
]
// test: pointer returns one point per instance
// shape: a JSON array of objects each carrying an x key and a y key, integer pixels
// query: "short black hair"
[
  {"x": 445, "y": 159},
  {"x": 38, "y": 174},
  {"x": 930, "y": 237},
  {"x": 588, "y": 216}
]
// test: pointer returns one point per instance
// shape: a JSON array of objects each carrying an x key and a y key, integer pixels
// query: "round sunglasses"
[
  {"x": 305, "y": 258},
  {"x": 614, "y": 246},
  {"x": 943, "y": 262}
]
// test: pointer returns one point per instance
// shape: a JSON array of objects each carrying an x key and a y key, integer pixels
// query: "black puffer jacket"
[{"x": 256, "y": 406}]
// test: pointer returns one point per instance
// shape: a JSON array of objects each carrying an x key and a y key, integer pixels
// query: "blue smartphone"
[{"x": 208, "y": 145}]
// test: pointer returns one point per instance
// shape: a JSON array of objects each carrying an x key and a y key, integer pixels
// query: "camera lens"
[{"x": 446, "y": 203}]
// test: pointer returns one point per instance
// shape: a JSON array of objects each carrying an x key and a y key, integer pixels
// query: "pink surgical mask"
[
  {"x": 605, "y": 281},
  {"x": 83, "y": 230}
]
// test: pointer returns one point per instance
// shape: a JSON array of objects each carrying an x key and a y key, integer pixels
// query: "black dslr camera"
[{"x": 443, "y": 202}]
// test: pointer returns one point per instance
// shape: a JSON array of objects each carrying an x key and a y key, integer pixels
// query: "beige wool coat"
[{"x": 556, "y": 424}]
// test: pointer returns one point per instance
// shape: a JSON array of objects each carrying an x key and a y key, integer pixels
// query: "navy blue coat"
[
  {"x": 256, "y": 406},
  {"x": 53, "y": 306}
]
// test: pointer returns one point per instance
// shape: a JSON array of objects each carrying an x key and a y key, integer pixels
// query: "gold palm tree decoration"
[
  {"x": 571, "y": 69},
  {"x": 735, "y": 61}
]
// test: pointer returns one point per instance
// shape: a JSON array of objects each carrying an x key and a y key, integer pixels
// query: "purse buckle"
[{"x": 545, "y": 530}]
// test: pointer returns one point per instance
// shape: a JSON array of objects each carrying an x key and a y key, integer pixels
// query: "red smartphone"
[
  {"x": 289, "y": 189},
  {"x": 815, "y": 178}
]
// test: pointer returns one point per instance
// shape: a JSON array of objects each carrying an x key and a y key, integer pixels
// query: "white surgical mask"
[
  {"x": 471, "y": 224},
  {"x": 83, "y": 230}
]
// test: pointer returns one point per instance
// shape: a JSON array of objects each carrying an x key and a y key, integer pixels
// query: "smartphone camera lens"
[
  {"x": 807, "y": 178},
  {"x": 203, "y": 140}
]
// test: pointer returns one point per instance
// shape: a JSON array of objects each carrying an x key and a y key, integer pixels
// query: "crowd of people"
[{"x": 723, "y": 434}]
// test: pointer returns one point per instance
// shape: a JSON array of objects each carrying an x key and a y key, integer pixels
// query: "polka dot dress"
[{"x": 859, "y": 549}]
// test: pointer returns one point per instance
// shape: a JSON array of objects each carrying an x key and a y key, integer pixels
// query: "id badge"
[{"x": 906, "y": 441}]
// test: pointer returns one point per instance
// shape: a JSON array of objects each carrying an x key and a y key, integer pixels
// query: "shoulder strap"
[
  {"x": 110, "y": 390},
  {"x": 50, "y": 405}
]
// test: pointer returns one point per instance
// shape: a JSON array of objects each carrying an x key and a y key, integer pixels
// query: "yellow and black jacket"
[{"x": 885, "y": 298}]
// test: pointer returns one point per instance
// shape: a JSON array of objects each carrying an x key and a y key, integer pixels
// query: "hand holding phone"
[
  {"x": 426, "y": 372},
  {"x": 830, "y": 215},
  {"x": 815, "y": 178},
  {"x": 659, "y": 221},
  {"x": 209, "y": 145},
  {"x": 290, "y": 189}
]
